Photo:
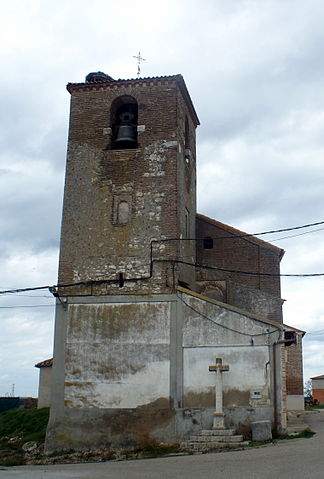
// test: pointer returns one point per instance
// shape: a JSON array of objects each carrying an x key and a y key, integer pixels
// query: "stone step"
[
  {"x": 296, "y": 418},
  {"x": 217, "y": 432},
  {"x": 212, "y": 446},
  {"x": 222, "y": 439}
]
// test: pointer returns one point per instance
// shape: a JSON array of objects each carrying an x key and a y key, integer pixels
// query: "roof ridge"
[
  {"x": 113, "y": 80},
  {"x": 231, "y": 229}
]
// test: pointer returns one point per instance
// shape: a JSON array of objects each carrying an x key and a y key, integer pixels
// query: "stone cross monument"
[{"x": 218, "y": 368}]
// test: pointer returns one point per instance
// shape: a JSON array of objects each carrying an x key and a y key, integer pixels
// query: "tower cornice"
[{"x": 138, "y": 82}]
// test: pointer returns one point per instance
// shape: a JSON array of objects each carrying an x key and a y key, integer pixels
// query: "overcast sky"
[{"x": 255, "y": 72}]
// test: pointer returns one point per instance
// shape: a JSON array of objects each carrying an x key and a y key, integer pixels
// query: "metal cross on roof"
[{"x": 139, "y": 59}]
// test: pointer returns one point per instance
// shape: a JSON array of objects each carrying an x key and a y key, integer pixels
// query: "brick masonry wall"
[
  {"x": 319, "y": 395},
  {"x": 258, "y": 294},
  {"x": 294, "y": 367},
  {"x": 187, "y": 193},
  {"x": 150, "y": 179}
]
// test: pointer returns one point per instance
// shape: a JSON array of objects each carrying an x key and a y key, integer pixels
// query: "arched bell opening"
[{"x": 123, "y": 121}]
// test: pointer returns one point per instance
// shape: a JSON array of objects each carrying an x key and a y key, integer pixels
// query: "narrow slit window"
[{"x": 187, "y": 224}]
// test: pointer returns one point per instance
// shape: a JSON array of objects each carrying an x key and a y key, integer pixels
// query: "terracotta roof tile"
[
  {"x": 291, "y": 328},
  {"x": 48, "y": 363}
]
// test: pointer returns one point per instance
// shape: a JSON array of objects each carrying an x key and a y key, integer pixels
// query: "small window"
[
  {"x": 187, "y": 152},
  {"x": 123, "y": 213},
  {"x": 121, "y": 209},
  {"x": 208, "y": 243},
  {"x": 187, "y": 224}
]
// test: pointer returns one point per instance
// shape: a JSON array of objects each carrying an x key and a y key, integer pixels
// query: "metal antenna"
[{"x": 139, "y": 59}]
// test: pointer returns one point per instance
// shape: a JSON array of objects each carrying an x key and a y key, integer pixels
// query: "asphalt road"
[{"x": 297, "y": 459}]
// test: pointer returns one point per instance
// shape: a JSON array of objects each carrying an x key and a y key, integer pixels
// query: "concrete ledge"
[{"x": 126, "y": 298}]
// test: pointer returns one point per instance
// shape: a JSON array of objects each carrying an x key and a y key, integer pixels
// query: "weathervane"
[{"x": 139, "y": 59}]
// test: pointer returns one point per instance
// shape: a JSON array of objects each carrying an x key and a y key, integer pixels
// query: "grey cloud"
[{"x": 31, "y": 218}]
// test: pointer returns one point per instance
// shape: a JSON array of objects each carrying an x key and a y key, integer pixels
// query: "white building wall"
[
  {"x": 44, "y": 387},
  {"x": 318, "y": 383},
  {"x": 246, "y": 383},
  {"x": 295, "y": 402},
  {"x": 245, "y": 343},
  {"x": 117, "y": 355}
]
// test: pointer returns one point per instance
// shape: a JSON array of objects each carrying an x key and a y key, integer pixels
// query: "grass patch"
[
  {"x": 303, "y": 434},
  {"x": 157, "y": 450},
  {"x": 18, "y": 426},
  {"x": 307, "y": 433},
  {"x": 29, "y": 424},
  {"x": 261, "y": 443}
]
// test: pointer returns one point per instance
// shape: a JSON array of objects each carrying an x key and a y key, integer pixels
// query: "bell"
[
  {"x": 126, "y": 134},
  {"x": 126, "y": 131}
]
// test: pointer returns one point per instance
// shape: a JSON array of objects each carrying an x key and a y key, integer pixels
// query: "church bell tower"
[
  {"x": 130, "y": 185},
  {"x": 129, "y": 198}
]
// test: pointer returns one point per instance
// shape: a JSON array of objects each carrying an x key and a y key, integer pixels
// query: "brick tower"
[
  {"x": 130, "y": 183},
  {"x": 123, "y": 192}
]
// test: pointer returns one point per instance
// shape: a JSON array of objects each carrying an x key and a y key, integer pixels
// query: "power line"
[
  {"x": 286, "y": 229},
  {"x": 28, "y": 306},
  {"x": 244, "y": 235},
  {"x": 214, "y": 268},
  {"x": 105, "y": 281},
  {"x": 294, "y": 236},
  {"x": 316, "y": 333},
  {"x": 46, "y": 296},
  {"x": 251, "y": 273},
  {"x": 61, "y": 285}
]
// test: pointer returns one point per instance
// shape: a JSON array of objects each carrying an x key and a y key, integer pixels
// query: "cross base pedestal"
[
  {"x": 218, "y": 368},
  {"x": 218, "y": 422}
]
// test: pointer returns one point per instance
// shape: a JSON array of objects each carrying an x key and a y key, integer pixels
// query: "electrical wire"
[
  {"x": 316, "y": 333},
  {"x": 295, "y": 236},
  {"x": 251, "y": 273},
  {"x": 28, "y": 306},
  {"x": 197, "y": 265},
  {"x": 281, "y": 230},
  {"x": 244, "y": 235},
  {"x": 105, "y": 281},
  {"x": 222, "y": 325},
  {"x": 46, "y": 296},
  {"x": 62, "y": 285}
]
